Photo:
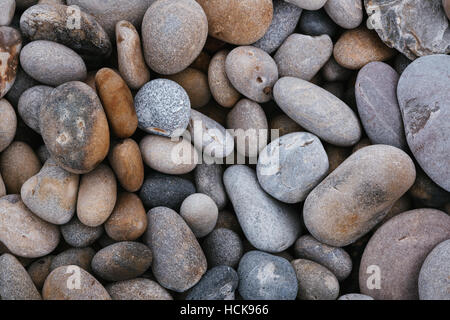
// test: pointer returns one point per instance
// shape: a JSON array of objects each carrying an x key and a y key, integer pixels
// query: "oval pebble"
[
  {"x": 223, "y": 247},
  {"x": 81, "y": 257},
  {"x": 200, "y": 213},
  {"x": 137, "y": 289},
  {"x": 79, "y": 235},
  {"x": 10, "y": 46},
  {"x": 196, "y": 85},
  {"x": 208, "y": 180},
  {"x": 218, "y": 283},
  {"x": 8, "y": 124},
  {"x": 29, "y": 105},
  {"x": 346, "y": 13}
]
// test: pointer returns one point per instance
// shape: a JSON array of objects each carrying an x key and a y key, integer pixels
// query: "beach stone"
[
  {"x": 196, "y": 85},
  {"x": 333, "y": 71},
  {"x": 7, "y": 8},
  {"x": 291, "y": 166},
  {"x": 355, "y": 296},
  {"x": 126, "y": 161},
  {"x": 51, "y": 194},
  {"x": 316, "y": 23},
  {"x": 252, "y": 72},
  {"x": 162, "y": 190},
  {"x": 168, "y": 156},
  {"x": 74, "y": 127},
  {"x": 249, "y": 122},
  {"x": 178, "y": 260},
  {"x": 434, "y": 282},
  {"x": 52, "y": 63},
  {"x": 399, "y": 25},
  {"x": 318, "y": 111},
  {"x": 200, "y": 213},
  {"x": 8, "y": 124},
  {"x": 81, "y": 257},
  {"x": 23, "y": 233},
  {"x": 358, "y": 194},
  {"x": 284, "y": 125},
  {"x": 208, "y": 180},
  {"x": 395, "y": 250},
  {"x": 162, "y": 108},
  {"x": 263, "y": 276},
  {"x": 23, "y": 82},
  {"x": 237, "y": 22},
  {"x": 39, "y": 270},
  {"x": 428, "y": 193},
  {"x": 122, "y": 261},
  {"x": 15, "y": 282},
  {"x": 130, "y": 58},
  {"x": 218, "y": 283},
  {"x": 10, "y": 47},
  {"x": 96, "y": 196},
  {"x": 18, "y": 163},
  {"x": 425, "y": 110},
  {"x": 173, "y": 35},
  {"x": 223, "y": 247},
  {"x": 315, "y": 282},
  {"x": 56, "y": 285},
  {"x": 79, "y": 235},
  {"x": 137, "y": 289},
  {"x": 268, "y": 224},
  {"x": 29, "y": 105},
  {"x": 68, "y": 26},
  {"x": 128, "y": 221},
  {"x": 308, "y": 4},
  {"x": 376, "y": 98},
  {"x": 117, "y": 101},
  {"x": 337, "y": 260},
  {"x": 284, "y": 21},
  {"x": 348, "y": 14},
  {"x": 303, "y": 56},
  {"x": 356, "y": 48}
]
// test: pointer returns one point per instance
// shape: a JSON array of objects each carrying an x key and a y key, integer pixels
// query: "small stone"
[
  {"x": 79, "y": 235},
  {"x": 284, "y": 125},
  {"x": 333, "y": 71},
  {"x": 8, "y": 124},
  {"x": 346, "y": 13},
  {"x": 10, "y": 46},
  {"x": 208, "y": 180},
  {"x": 137, "y": 289},
  {"x": 219, "y": 283},
  {"x": 317, "y": 23},
  {"x": 223, "y": 247},
  {"x": 263, "y": 276},
  {"x": 29, "y": 105},
  {"x": 196, "y": 85},
  {"x": 81, "y": 257},
  {"x": 39, "y": 270},
  {"x": 200, "y": 213},
  {"x": 7, "y": 9},
  {"x": 355, "y": 296}
]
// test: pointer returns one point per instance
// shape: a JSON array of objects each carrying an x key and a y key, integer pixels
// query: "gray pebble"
[
  {"x": 208, "y": 180},
  {"x": 10, "y": 47},
  {"x": 317, "y": 23},
  {"x": 30, "y": 103},
  {"x": 308, "y": 4},
  {"x": 218, "y": 283},
  {"x": 7, "y": 8},
  {"x": 355, "y": 296},
  {"x": 346, "y": 13},
  {"x": 81, "y": 257},
  {"x": 137, "y": 289},
  {"x": 8, "y": 124},
  {"x": 223, "y": 247},
  {"x": 78, "y": 235},
  {"x": 43, "y": 153},
  {"x": 200, "y": 213}
]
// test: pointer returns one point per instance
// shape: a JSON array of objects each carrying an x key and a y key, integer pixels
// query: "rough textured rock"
[
  {"x": 79, "y": 235},
  {"x": 29, "y": 105},
  {"x": 81, "y": 257},
  {"x": 196, "y": 85},
  {"x": 208, "y": 180},
  {"x": 346, "y": 13},
  {"x": 223, "y": 247},
  {"x": 219, "y": 283},
  {"x": 317, "y": 23},
  {"x": 137, "y": 289},
  {"x": 10, "y": 46},
  {"x": 39, "y": 270},
  {"x": 200, "y": 213},
  {"x": 8, "y": 124},
  {"x": 7, "y": 8}
]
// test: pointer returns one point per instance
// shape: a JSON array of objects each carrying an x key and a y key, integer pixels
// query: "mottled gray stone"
[
  {"x": 415, "y": 28},
  {"x": 218, "y": 283},
  {"x": 308, "y": 4},
  {"x": 7, "y": 8},
  {"x": 223, "y": 247},
  {"x": 43, "y": 153},
  {"x": 284, "y": 21},
  {"x": 355, "y": 296},
  {"x": 268, "y": 224},
  {"x": 424, "y": 93},
  {"x": 8, "y": 124},
  {"x": 137, "y": 289},
  {"x": 263, "y": 276},
  {"x": 208, "y": 180},
  {"x": 81, "y": 257},
  {"x": 79, "y": 235},
  {"x": 200, "y": 213},
  {"x": 30, "y": 103},
  {"x": 317, "y": 23},
  {"x": 163, "y": 108},
  {"x": 346, "y": 13}
]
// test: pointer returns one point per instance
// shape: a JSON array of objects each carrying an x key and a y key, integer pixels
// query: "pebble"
[
  {"x": 39, "y": 270},
  {"x": 15, "y": 282},
  {"x": 317, "y": 23},
  {"x": 238, "y": 22},
  {"x": 284, "y": 125},
  {"x": 7, "y": 9},
  {"x": 356, "y": 48},
  {"x": 23, "y": 233},
  {"x": 10, "y": 46},
  {"x": 51, "y": 194},
  {"x": 446, "y": 4},
  {"x": 42, "y": 153},
  {"x": 315, "y": 282},
  {"x": 128, "y": 221},
  {"x": 117, "y": 102},
  {"x": 268, "y": 224},
  {"x": 122, "y": 261},
  {"x": 81, "y": 257},
  {"x": 348, "y": 14},
  {"x": 376, "y": 98},
  {"x": 137, "y": 289},
  {"x": 8, "y": 124},
  {"x": 291, "y": 166},
  {"x": 337, "y": 260},
  {"x": 223, "y": 247},
  {"x": 355, "y": 296},
  {"x": 252, "y": 72},
  {"x": 162, "y": 108},
  {"x": 398, "y": 248},
  {"x": 221, "y": 88},
  {"x": 162, "y": 190},
  {"x": 358, "y": 194},
  {"x": 218, "y": 283},
  {"x": 178, "y": 260},
  {"x": 196, "y": 85},
  {"x": 249, "y": 122},
  {"x": 333, "y": 71},
  {"x": 173, "y": 34},
  {"x": 208, "y": 180},
  {"x": 126, "y": 161},
  {"x": 96, "y": 196},
  {"x": 318, "y": 111},
  {"x": 130, "y": 58},
  {"x": 74, "y": 127},
  {"x": 200, "y": 213},
  {"x": 434, "y": 282},
  {"x": 79, "y": 235},
  {"x": 425, "y": 110},
  {"x": 285, "y": 19},
  {"x": 167, "y": 155},
  {"x": 56, "y": 285},
  {"x": 52, "y": 63},
  {"x": 18, "y": 163},
  {"x": 263, "y": 276},
  {"x": 29, "y": 105}
]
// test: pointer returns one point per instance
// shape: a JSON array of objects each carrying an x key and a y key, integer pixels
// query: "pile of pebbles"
[{"x": 123, "y": 123}]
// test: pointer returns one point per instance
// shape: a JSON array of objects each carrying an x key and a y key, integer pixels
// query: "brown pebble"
[
  {"x": 8, "y": 124},
  {"x": 10, "y": 46}
]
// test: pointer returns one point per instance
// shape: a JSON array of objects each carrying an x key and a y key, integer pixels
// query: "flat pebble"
[
  {"x": 81, "y": 257},
  {"x": 39, "y": 270},
  {"x": 317, "y": 23},
  {"x": 10, "y": 46},
  {"x": 346, "y": 13},
  {"x": 8, "y": 124},
  {"x": 355, "y": 296},
  {"x": 200, "y": 213},
  {"x": 218, "y": 283},
  {"x": 7, "y": 9},
  {"x": 196, "y": 85},
  {"x": 29, "y": 105},
  {"x": 208, "y": 180},
  {"x": 223, "y": 247},
  {"x": 79, "y": 235},
  {"x": 137, "y": 289}
]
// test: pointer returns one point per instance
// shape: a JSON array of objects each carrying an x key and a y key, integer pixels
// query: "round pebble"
[
  {"x": 81, "y": 257},
  {"x": 196, "y": 85},
  {"x": 137, "y": 289},
  {"x": 218, "y": 283},
  {"x": 8, "y": 124},
  {"x": 223, "y": 247},
  {"x": 29, "y": 105},
  {"x": 79, "y": 235},
  {"x": 200, "y": 213}
]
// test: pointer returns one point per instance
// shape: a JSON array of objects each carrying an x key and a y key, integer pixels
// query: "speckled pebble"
[
  {"x": 29, "y": 105},
  {"x": 39, "y": 270},
  {"x": 218, "y": 283},
  {"x": 223, "y": 247},
  {"x": 196, "y": 85},
  {"x": 200, "y": 213},
  {"x": 81, "y": 257},
  {"x": 346, "y": 13},
  {"x": 137, "y": 289},
  {"x": 79, "y": 235}
]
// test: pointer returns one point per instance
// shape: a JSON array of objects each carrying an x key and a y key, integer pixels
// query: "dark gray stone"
[
  {"x": 79, "y": 235},
  {"x": 30, "y": 103},
  {"x": 208, "y": 180},
  {"x": 223, "y": 247},
  {"x": 317, "y": 23},
  {"x": 218, "y": 283}
]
